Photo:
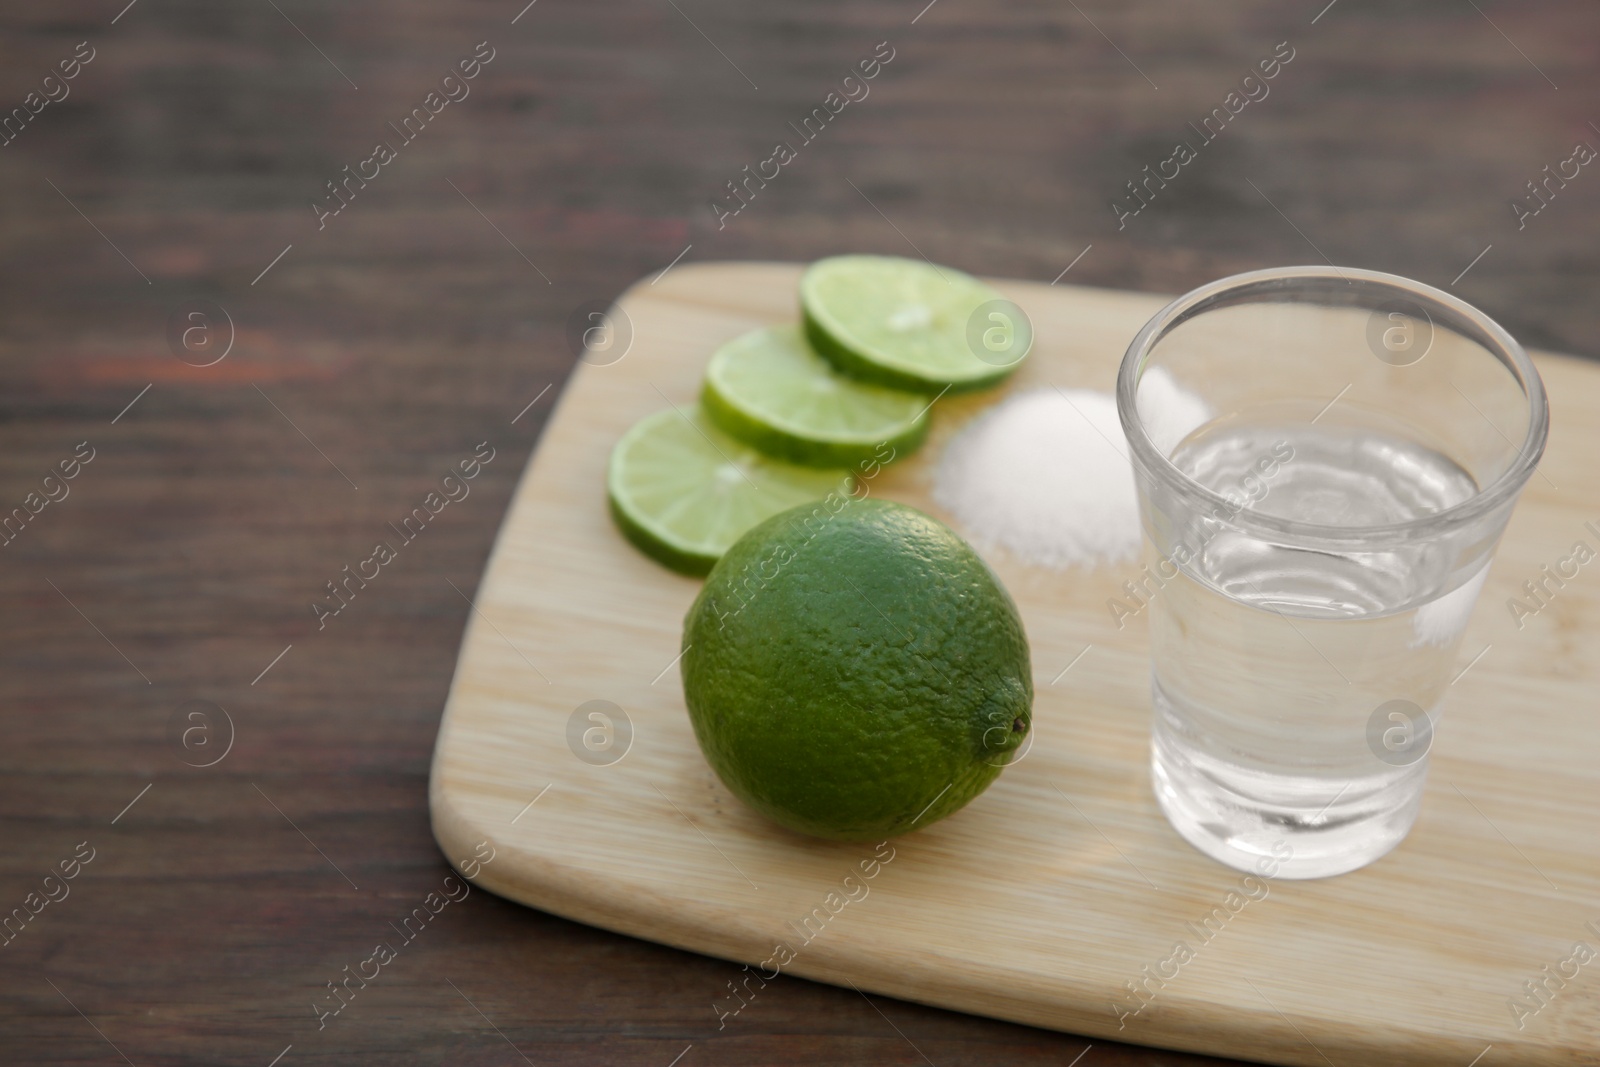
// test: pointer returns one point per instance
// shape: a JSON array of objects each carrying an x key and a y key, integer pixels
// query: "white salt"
[
  {"x": 1043, "y": 475},
  {"x": 1169, "y": 412}
]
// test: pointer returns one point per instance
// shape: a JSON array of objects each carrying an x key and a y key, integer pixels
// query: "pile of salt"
[{"x": 1045, "y": 475}]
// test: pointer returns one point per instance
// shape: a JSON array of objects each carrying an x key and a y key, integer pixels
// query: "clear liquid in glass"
[{"x": 1270, "y": 661}]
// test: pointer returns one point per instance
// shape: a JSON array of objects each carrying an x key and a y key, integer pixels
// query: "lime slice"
[
  {"x": 683, "y": 491},
  {"x": 911, "y": 325},
  {"x": 772, "y": 391}
]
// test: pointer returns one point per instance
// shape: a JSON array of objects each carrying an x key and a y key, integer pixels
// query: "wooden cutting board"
[{"x": 1052, "y": 891}]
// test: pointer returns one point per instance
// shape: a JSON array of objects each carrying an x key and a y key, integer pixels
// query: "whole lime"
[{"x": 853, "y": 670}]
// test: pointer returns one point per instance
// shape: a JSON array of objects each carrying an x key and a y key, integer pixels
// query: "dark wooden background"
[{"x": 187, "y": 554}]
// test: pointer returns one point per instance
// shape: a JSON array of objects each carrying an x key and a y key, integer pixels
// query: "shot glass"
[{"x": 1325, "y": 460}]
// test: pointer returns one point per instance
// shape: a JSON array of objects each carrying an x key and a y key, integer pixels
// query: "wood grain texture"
[
  {"x": 409, "y": 330},
  {"x": 1039, "y": 900}
]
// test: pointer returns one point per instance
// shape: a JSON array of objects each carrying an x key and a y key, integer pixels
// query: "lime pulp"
[
  {"x": 772, "y": 391},
  {"x": 683, "y": 491}
]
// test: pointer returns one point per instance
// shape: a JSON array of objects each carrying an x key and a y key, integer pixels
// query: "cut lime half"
[
  {"x": 683, "y": 491},
  {"x": 771, "y": 390},
  {"x": 911, "y": 325}
]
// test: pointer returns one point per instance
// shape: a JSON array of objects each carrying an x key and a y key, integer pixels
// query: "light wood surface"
[{"x": 1046, "y": 895}]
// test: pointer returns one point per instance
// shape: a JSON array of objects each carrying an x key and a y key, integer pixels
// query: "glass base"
[{"x": 1282, "y": 825}]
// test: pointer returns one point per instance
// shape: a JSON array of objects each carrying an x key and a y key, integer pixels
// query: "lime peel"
[{"x": 856, "y": 672}]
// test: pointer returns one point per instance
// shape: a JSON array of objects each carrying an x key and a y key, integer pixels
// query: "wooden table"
[{"x": 176, "y": 575}]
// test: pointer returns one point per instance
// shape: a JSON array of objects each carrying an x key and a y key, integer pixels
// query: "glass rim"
[{"x": 1240, "y": 288}]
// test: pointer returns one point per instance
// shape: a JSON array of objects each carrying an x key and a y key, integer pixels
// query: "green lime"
[
  {"x": 911, "y": 325},
  {"x": 683, "y": 491},
  {"x": 853, "y": 670},
  {"x": 771, "y": 390}
]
